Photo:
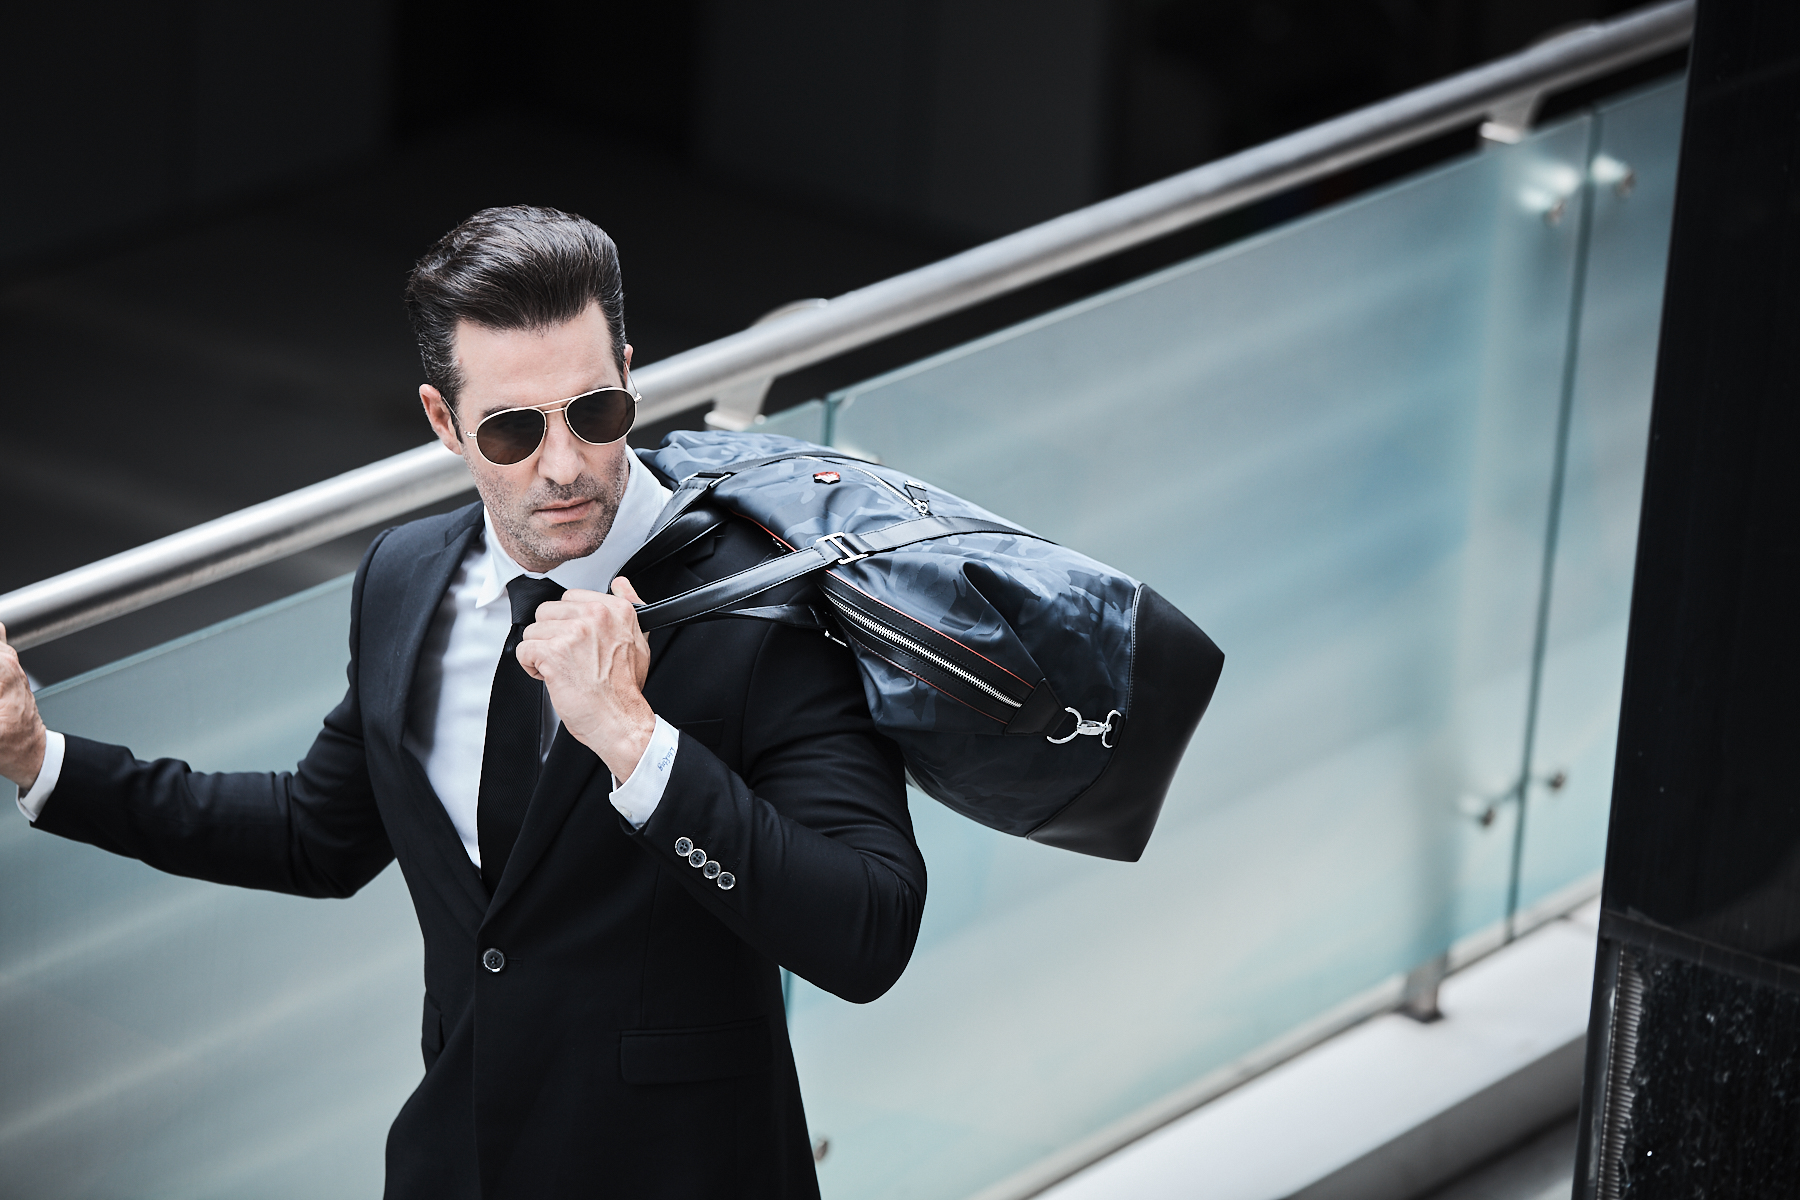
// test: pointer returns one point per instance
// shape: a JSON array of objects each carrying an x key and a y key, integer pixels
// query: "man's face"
[{"x": 559, "y": 503}]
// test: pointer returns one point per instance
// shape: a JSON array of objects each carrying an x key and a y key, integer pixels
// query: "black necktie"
[{"x": 515, "y": 725}]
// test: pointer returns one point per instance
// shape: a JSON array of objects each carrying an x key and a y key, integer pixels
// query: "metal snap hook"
[{"x": 1085, "y": 728}]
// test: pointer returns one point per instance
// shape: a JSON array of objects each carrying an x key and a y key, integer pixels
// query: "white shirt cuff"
[
  {"x": 638, "y": 796},
  {"x": 32, "y": 803}
]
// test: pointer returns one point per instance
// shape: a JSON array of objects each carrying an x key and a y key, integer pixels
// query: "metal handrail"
[{"x": 287, "y": 524}]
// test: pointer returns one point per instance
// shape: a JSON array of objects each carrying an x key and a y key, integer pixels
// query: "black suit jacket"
[{"x": 634, "y": 1043}]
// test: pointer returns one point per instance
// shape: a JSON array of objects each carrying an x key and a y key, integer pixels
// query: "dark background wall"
[
  {"x": 963, "y": 119},
  {"x": 121, "y": 115},
  {"x": 210, "y": 209}
]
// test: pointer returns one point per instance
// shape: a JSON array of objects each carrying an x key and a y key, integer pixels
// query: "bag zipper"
[
  {"x": 876, "y": 628},
  {"x": 922, "y": 507}
]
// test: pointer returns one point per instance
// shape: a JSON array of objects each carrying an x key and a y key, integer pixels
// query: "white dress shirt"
[{"x": 446, "y": 723}]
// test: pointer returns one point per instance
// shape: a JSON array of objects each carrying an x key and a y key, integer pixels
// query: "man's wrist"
[
  {"x": 630, "y": 739},
  {"x": 30, "y": 759},
  {"x": 638, "y": 798}
]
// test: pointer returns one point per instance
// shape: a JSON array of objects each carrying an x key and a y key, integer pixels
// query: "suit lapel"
[
  {"x": 424, "y": 592},
  {"x": 567, "y": 770},
  {"x": 659, "y": 644},
  {"x": 441, "y": 833},
  {"x": 659, "y": 639}
]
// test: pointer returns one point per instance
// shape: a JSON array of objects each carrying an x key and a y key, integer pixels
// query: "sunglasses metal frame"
[{"x": 554, "y": 406}]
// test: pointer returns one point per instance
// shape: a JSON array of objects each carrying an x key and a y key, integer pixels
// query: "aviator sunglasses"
[{"x": 513, "y": 435}]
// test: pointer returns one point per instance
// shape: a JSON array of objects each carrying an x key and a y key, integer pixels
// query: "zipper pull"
[{"x": 915, "y": 491}]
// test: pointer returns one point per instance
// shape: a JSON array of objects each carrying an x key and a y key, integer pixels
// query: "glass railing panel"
[
  {"x": 171, "y": 1038},
  {"x": 1332, "y": 445},
  {"x": 1633, "y": 202}
]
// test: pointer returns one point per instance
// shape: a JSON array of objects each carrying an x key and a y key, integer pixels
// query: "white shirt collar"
[{"x": 638, "y": 509}]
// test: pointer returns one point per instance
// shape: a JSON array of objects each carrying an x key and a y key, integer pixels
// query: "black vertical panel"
[
  {"x": 1694, "y": 1030},
  {"x": 1706, "y": 803}
]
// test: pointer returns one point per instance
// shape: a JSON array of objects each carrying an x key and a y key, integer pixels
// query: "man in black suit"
[{"x": 611, "y": 842}]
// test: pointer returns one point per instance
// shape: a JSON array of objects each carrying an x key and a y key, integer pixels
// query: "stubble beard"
[{"x": 511, "y": 515}]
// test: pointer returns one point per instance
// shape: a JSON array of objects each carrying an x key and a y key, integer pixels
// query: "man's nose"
[{"x": 560, "y": 459}]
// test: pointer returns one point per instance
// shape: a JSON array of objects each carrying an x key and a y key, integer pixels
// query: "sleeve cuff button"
[
  {"x": 697, "y": 858},
  {"x": 727, "y": 881},
  {"x": 710, "y": 870},
  {"x": 683, "y": 846}
]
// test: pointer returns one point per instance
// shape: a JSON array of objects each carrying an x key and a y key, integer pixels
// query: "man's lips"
[{"x": 566, "y": 511}]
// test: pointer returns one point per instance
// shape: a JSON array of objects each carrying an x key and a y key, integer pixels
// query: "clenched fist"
[
  {"x": 591, "y": 655},
  {"x": 21, "y": 729}
]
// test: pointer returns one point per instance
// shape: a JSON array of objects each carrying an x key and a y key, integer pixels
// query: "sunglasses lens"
[
  {"x": 602, "y": 416},
  {"x": 509, "y": 437}
]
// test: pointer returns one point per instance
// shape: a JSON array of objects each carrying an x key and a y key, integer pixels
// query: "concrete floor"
[
  {"x": 1465, "y": 1108},
  {"x": 1542, "y": 1168}
]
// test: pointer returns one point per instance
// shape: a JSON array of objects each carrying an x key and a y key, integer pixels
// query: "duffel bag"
[{"x": 1029, "y": 687}]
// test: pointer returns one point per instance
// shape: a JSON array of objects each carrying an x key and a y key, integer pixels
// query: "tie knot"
[{"x": 525, "y": 594}]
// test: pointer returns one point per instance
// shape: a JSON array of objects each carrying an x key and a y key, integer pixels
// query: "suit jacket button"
[
  {"x": 727, "y": 881},
  {"x": 493, "y": 960},
  {"x": 697, "y": 858},
  {"x": 711, "y": 869},
  {"x": 684, "y": 846}
]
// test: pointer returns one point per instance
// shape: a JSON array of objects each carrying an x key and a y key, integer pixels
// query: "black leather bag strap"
[
  {"x": 687, "y": 528},
  {"x": 661, "y": 543},
  {"x": 800, "y": 616},
  {"x": 834, "y": 549},
  {"x": 687, "y": 493}
]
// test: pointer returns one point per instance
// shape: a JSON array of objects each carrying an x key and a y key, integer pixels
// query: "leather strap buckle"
[{"x": 840, "y": 544}]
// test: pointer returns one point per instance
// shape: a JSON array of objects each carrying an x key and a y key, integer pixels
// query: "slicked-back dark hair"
[{"x": 516, "y": 267}]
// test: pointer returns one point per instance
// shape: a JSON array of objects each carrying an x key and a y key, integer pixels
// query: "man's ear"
[{"x": 443, "y": 421}]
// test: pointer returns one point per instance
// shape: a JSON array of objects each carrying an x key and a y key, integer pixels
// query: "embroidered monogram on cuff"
[
  {"x": 685, "y": 848},
  {"x": 637, "y": 798}
]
